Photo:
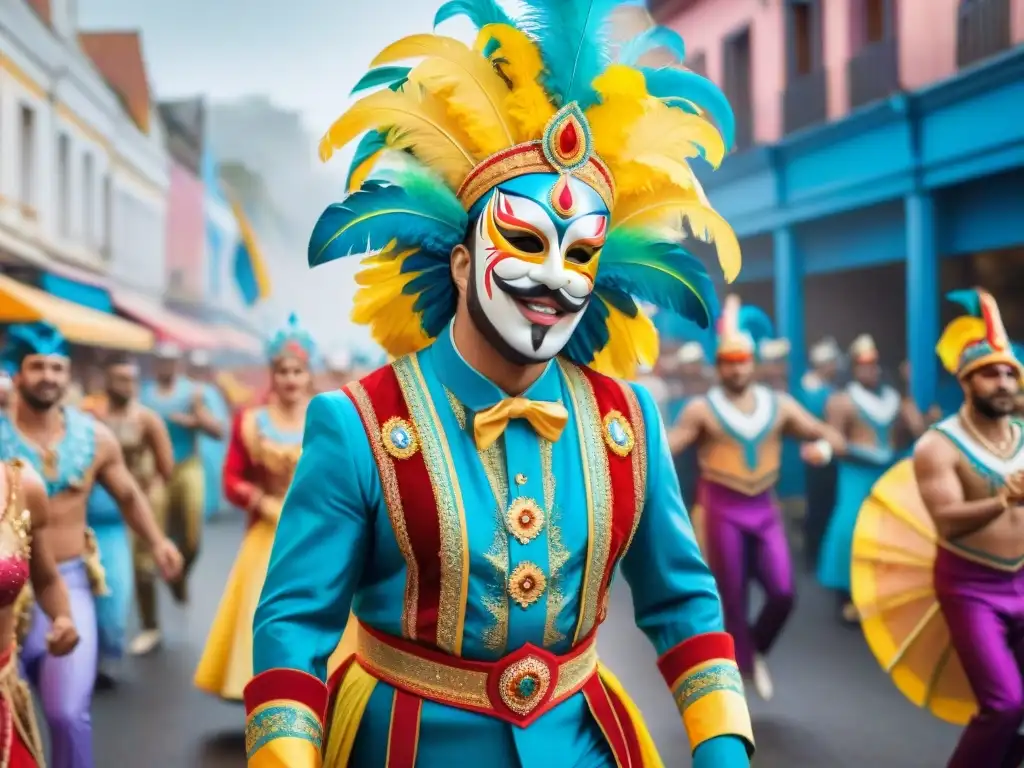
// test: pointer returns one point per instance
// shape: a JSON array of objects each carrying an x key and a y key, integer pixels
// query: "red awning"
[{"x": 167, "y": 325}]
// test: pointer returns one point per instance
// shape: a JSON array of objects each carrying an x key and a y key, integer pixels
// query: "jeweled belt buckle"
[{"x": 523, "y": 682}]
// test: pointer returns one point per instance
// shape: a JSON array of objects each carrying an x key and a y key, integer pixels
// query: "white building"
[{"x": 83, "y": 166}]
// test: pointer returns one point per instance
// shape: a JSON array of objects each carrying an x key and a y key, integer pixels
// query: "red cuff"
[
  {"x": 696, "y": 650},
  {"x": 288, "y": 684}
]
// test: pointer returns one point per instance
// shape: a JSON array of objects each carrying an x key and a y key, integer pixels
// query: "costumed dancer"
[
  {"x": 738, "y": 429},
  {"x": 147, "y": 451},
  {"x": 866, "y": 413},
  {"x": 693, "y": 377},
  {"x": 939, "y": 551},
  {"x": 472, "y": 500},
  {"x": 212, "y": 449},
  {"x": 26, "y": 565},
  {"x": 816, "y": 387},
  {"x": 70, "y": 450},
  {"x": 182, "y": 405}
]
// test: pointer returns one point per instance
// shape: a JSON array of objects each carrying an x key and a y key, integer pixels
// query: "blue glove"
[{"x": 721, "y": 752}]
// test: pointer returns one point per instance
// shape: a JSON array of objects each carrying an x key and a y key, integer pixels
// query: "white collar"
[
  {"x": 881, "y": 407},
  {"x": 751, "y": 425}
]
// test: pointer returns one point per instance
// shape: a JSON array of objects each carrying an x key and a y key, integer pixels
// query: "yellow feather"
[
  {"x": 466, "y": 76},
  {"x": 519, "y": 60},
  {"x": 960, "y": 333},
  {"x": 633, "y": 341},
  {"x": 381, "y": 303},
  {"x": 417, "y": 120},
  {"x": 623, "y": 93},
  {"x": 360, "y": 174}
]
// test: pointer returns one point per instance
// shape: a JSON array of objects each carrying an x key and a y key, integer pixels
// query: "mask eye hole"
[
  {"x": 524, "y": 242},
  {"x": 579, "y": 254}
]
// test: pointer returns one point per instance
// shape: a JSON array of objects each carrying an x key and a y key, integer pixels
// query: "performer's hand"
[
  {"x": 63, "y": 636},
  {"x": 168, "y": 559},
  {"x": 812, "y": 454},
  {"x": 269, "y": 508}
]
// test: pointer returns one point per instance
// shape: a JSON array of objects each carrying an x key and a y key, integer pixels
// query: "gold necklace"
[{"x": 1004, "y": 449}]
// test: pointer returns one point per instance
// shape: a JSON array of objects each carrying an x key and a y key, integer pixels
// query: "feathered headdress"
[
  {"x": 773, "y": 350},
  {"x": 864, "y": 350},
  {"x": 976, "y": 339},
  {"x": 27, "y": 339},
  {"x": 741, "y": 329},
  {"x": 824, "y": 352},
  {"x": 543, "y": 91},
  {"x": 292, "y": 340}
]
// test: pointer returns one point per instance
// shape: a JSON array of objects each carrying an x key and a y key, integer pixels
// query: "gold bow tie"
[{"x": 547, "y": 419}]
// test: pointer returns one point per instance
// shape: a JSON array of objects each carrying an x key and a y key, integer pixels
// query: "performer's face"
[
  {"x": 122, "y": 382},
  {"x": 165, "y": 369},
  {"x": 867, "y": 373},
  {"x": 535, "y": 250},
  {"x": 992, "y": 390},
  {"x": 43, "y": 380},
  {"x": 291, "y": 377},
  {"x": 736, "y": 374}
]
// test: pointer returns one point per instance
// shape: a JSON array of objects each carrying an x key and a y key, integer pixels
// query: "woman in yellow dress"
[{"x": 266, "y": 441}]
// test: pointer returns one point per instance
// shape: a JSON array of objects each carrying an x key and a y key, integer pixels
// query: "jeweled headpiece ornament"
[
  {"x": 976, "y": 339},
  {"x": 741, "y": 328},
  {"x": 541, "y": 91},
  {"x": 293, "y": 340},
  {"x": 27, "y": 339}
]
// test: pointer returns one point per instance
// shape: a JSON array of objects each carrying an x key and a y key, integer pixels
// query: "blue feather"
[
  {"x": 677, "y": 86},
  {"x": 411, "y": 207},
  {"x": 650, "y": 40},
  {"x": 388, "y": 76},
  {"x": 39, "y": 338},
  {"x": 968, "y": 299},
  {"x": 756, "y": 322},
  {"x": 659, "y": 272},
  {"x": 371, "y": 143},
  {"x": 573, "y": 43},
  {"x": 479, "y": 12},
  {"x": 435, "y": 295},
  {"x": 591, "y": 334}
]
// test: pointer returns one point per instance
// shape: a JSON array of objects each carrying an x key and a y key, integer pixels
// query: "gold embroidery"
[
  {"x": 558, "y": 555},
  {"x": 636, "y": 417},
  {"x": 454, "y": 554},
  {"x": 399, "y": 438},
  {"x": 396, "y": 514},
  {"x": 526, "y": 584},
  {"x": 598, "y": 493},
  {"x": 525, "y": 519},
  {"x": 523, "y": 684},
  {"x": 458, "y": 409},
  {"x": 618, "y": 434}
]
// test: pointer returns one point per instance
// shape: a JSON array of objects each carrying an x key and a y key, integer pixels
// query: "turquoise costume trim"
[
  {"x": 179, "y": 400},
  {"x": 751, "y": 445},
  {"x": 75, "y": 453},
  {"x": 292, "y": 338},
  {"x": 266, "y": 428},
  {"x": 993, "y": 478},
  {"x": 282, "y": 722},
  {"x": 717, "y": 677},
  {"x": 335, "y": 514}
]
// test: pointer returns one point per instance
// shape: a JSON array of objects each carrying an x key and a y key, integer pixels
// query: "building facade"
[{"x": 879, "y": 160}]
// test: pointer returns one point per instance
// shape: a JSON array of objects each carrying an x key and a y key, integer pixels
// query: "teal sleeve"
[
  {"x": 321, "y": 542},
  {"x": 674, "y": 593},
  {"x": 722, "y": 752}
]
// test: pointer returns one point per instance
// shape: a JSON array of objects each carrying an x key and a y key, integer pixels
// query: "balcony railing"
[
  {"x": 804, "y": 102},
  {"x": 983, "y": 30},
  {"x": 874, "y": 73}
]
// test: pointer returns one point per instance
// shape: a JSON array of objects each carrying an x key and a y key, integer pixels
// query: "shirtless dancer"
[
  {"x": 738, "y": 428},
  {"x": 71, "y": 451},
  {"x": 970, "y": 472}
]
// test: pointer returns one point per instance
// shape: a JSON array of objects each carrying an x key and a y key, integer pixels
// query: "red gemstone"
[
  {"x": 568, "y": 140},
  {"x": 565, "y": 201}
]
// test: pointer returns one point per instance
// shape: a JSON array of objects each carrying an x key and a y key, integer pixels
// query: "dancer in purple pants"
[
  {"x": 738, "y": 428},
  {"x": 70, "y": 450}
]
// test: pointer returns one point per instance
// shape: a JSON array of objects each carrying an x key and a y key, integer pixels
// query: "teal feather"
[
  {"x": 650, "y": 40},
  {"x": 968, "y": 299},
  {"x": 676, "y": 87},
  {"x": 754, "y": 321},
  {"x": 388, "y": 76},
  {"x": 410, "y": 206},
  {"x": 479, "y": 12},
  {"x": 659, "y": 272},
  {"x": 371, "y": 143},
  {"x": 490, "y": 47},
  {"x": 574, "y": 46},
  {"x": 591, "y": 334}
]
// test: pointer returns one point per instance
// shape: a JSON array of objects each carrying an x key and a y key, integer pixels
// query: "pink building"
[
  {"x": 789, "y": 64},
  {"x": 185, "y": 236}
]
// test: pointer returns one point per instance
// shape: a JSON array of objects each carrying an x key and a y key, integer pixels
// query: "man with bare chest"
[
  {"x": 71, "y": 450},
  {"x": 970, "y": 473},
  {"x": 738, "y": 429}
]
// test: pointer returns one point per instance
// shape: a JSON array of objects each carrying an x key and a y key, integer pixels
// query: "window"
[
  {"x": 106, "y": 236},
  {"x": 696, "y": 62},
  {"x": 736, "y": 83},
  {"x": 875, "y": 13},
  {"x": 983, "y": 30},
  {"x": 26, "y": 184},
  {"x": 63, "y": 185},
  {"x": 88, "y": 200},
  {"x": 805, "y": 37}
]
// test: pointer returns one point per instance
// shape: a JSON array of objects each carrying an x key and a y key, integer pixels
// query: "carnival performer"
[
  {"x": 968, "y": 470},
  {"x": 26, "y": 564},
  {"x": 816, "y": 387},
  {"x": 147, "y": 451},
  {"x": 182, "y": 404},
  {"x": 70, "y": 450},
  {"x": 212, "y": 449},
  {"x": 266, "y": 441},
  {"x": 472, "y": 499},
  {"x": 866, "y": 413},
  {"x": 738, "y": 429}
]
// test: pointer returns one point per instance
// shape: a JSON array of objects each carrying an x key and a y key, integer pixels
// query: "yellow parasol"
[{"x": 894, "y": 547}]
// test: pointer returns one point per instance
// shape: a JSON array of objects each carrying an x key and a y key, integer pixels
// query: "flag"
[{"x": 250, "y": 270}]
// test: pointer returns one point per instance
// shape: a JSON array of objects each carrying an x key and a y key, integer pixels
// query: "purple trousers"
[
  {"x": 984, "y": 608},
  {"x": 746, "y": 540},
  {"x": 65, "y": 683}
]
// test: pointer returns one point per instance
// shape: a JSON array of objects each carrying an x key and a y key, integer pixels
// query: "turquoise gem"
[
  {"x": 400, "y": 438},
  {"x": 618, "y": 433},
  {"x": 527, "y": 687}
]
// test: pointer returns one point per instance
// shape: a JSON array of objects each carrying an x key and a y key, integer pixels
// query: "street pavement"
[{"x": 834, "y": 708}]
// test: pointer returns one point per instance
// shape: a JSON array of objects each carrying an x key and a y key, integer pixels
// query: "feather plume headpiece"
[
  {"x": 291, "y": 341},
  {"x": 28, "y": 339},
  {"x": 546, "y": 90},
  {"x": 863, "y": 349},
  {"x": 742, "y": 329},
  {"x": 977, "y": 338}
]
